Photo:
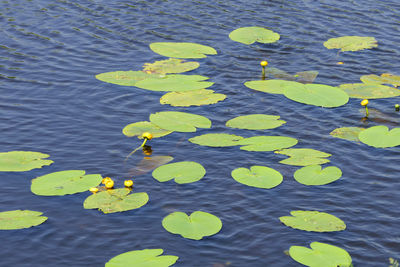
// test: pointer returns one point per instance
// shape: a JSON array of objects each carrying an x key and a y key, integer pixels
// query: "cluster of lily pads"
[{"x": 190, "y": 90}]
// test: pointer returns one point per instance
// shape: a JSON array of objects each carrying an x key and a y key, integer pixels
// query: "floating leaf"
[
  {"x": 182, "y": 172},
  {"x": 64, "y": 183},
  {"x": 148, "y": 164},
  {"x": 315, "y": 175},
  {"x": 320, "y": 254},
  {"x": 347, "y": 133},
  {"x": 171, "y": 65},
  {"x": 138, "y": 128},
  {"x": 182, "y": 50},
  {"x": 385, "y": 78},
  {"x": 127, "y": 78},
  {"x": 258, "y": 176},
  {"x": 19, "y": 219},
  {"x": 306, "y": 76},
  {"x": 369, "y": 91},
  {"x": 267, "y": 143},
  {"x": 313, "y": 221},
  {"x": 116, "y": 200},
  {"x": 317, "y": 95},
  {"x": 255, "y": 122},
  {"x": 249, "y": 35},
  {"x": 380, "y": 136},
  {"x": 21, "y": 161},
  {"x": 142, "y": 258},
  {"x": 179, "y": 121},
  {"x": 192, "y": 98},
  {"x": 195, "y": 226},
  {"x": 303, "y": 156},
  {"x": 272, "y": 86},
  {"x": 175, "y": 82},
  {"x": 351, "y": 43},
  {"x": 216, "y": 140}
]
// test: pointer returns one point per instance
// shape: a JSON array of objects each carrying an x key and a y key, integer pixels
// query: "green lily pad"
[
  {"x": 315, "y": 175},
  {"x": 196, "y": 226},
  {"x": 317, "y": 95},
  {"x": 267, "y": 143},
  {"x": 380, "y": 136},
  {"x": 182, "y": 172},
  {"x": 249, "y": 35},
  {"x": 258, "y": 176},
  {"x": 255, "y": 122},
  {"x": 171, "y": 65},
  {"x": 142, "y": 258},
  {"x": 182, "y": 50},
  {"x": 272, "y": 86},
  {"x": 385, "y": 78},
  {"x": 175, "y": 82},
  {"x": 320, "y": 254},
  {"x": 313, "y": 221},
  {"x": 192, "y": 98},
  {"x": 369, "y": 91},
  {"x": 351, "y": 43},
  {"x": 116, "y": 200},
  {"x": 64, "y": 183},
  {"x": 148, "y": 164},
  {"x": 179, "y": 121},
  {"x": 22, "y": 161},
  {"x": 216, "y": 140},
  {"x": 347, "y": 133},
  {"x": 138, "y": 128},
  {"x": 126, "y": 78},
  {"x": 20, "y": 219},
  {"x": 306, "y": 76},
  {"x": 303, "y": 156}
]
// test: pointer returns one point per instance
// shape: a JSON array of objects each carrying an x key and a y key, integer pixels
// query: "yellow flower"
[
  {"x": 105, "y": 180},
  {"x": 128, "y": 183},
  {"x": 147, "y": 135},
  {"x": 94, "y": 190},
  {"x": 364, "y": 102},
  {"x": 109, "y": 184},
  {"x": 264, "y": 63}
]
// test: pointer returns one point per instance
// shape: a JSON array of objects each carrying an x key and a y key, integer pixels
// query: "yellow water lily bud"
[
  {"x": 340, "y": 63},
  {"x": 147, "y": 136},
  {"x": 94, "y": 190},
  {"x": 128, "y": 183},
  {"x": 364, "y": 102},
  {"x": 105, "y": 180},
  {"x": 264, "y": 63},
  {"x": 109, "y": 184}
]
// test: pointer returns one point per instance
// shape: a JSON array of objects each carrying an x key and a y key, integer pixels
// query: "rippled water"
[{"x": 51, "y": 102}]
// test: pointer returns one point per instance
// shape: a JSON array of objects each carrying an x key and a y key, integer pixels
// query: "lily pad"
[
  {"x": 320, "y": 254},
  {"x": 138, "y": 128},
  {"x": 315, "y": 175},
  {"x": 317, "y": 95},
  {"x": 216, "y": 140},
  {"x": 126, "y": 78},
  {"x": 171, "y": 65},
  {"x": 347, "y": 133},
  {"x": 351, "y": 43},
  {"x": 380, "y": 136},
  {"x": 306, "y": 76},
  {"x": 258, "y": 176},
  {"x": 249, "y": 35},
  {"x": 369, "y": 91},
  {"x": 272, "y": 86},
  {"x": 20, "y": 219},
  {"x": 182, "y": 50},
  {"x": 313, "y": 221},
  {"x": 175, "y": 82},
  {"x": 64, "y": 183},
  {"x": 116, "y": 200},
  {"x": 142, "y": 258},
  {"x": 267, "y": 143},
  {"x": 182, "y": 172},
  {"x": 303, "y": 156},
  {"x": 148, "y": 164},
  {"x": 192, "y": 98},
  {"x": 179, "y": 121},
  {"x": 385, "y": 78},
  {"x": 22, "y": 161},
  {"x": 255, "y": 122},
  {"x": 196, "y": 226}
]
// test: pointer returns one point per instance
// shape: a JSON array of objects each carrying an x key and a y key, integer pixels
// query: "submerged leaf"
[
  {"x": 306, "y": 76},
  {"x": 266, "y": 143},
  {"x": 380, "y": 136},
  {"x": 385, "y": 78},
  {"x": 179, "y": 121},
  {"x": 21, "y": 161},
  {"x": 351, "y": 43},
  {"x": 255, "y": 122},
  {"x": 148, "y": 164},
  {"x": 138, "y": 128},
  {"x": 258, "y": 176},
  {"x": 182, "y": 50},
  {"x": 313, "y": 221},
  {"x": 142, "y": 258},
  {"x": 216, "y": 140},
  {"x": 192, "y": 98},
  {"x": 20, "y": 219},
  {"x": 347, "y": 133},
  {"x": 315, "y": 175},
  {"x": 272, "y": 86},
  {"x": 175, "y": 82},
  {"x": 249, "y": 35},
  {"x": 171, "y": 65},
  {"x": 369, "y": 91},
  {"x": 182, "y": 172},
  {"x": 303, "y": 156},
  {"x": 127, "y": 78}
]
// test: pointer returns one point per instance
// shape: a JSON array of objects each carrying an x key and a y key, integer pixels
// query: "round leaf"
[
  {"x": 179, "y": 121},
  {"x": 172, "y": 65},
  {"x": 380, "y": 136},
  {"x": 175, "y": 82},
  {"x": 216, "y": 140},
  {"x": 183, "y": 172},
  {"x": 369, "y": 91},
  {"x": 195, "y": 226},
  {"x": 315, "y": 175},
  {"x": 182, "y": 50},
  {"x": 249, "y": 35},
  {"x": 313, "y": 221},
  {"x": 138, "y": 128},
  {"x": 267, "y": 143},
  {"x": 142, "y": 258},
  {"x": 19, "y": 219},
  {"x": 272, "y": 86},
  {"x": 347, "y": 133},
  {"x": 303, "y": 156},
  {"x": 21, "y": 161},
  {"x": 258, "y": 176},
  {"x": 192, "y": 98},
  {"x": 127, "y": 78},
  {"x": 64, "y": 183},
  {"x": 255, "y": 122},
  {"x": 351, "y": 43}
]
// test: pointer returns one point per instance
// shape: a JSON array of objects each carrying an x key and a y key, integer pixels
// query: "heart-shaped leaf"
[
  {"x": 21, "y": 161},
  {"x": 142, "y": 258},
  {"x": 171, "y": 65},
  {"x": 266, "y": 143},
  {"x": 126, "y": 78},
  {"x": 19, "y": 219},
  {"x": 192, "y": 98},
  {"x": 182, "y": 50},
  {"x": 272, "y": 86},
  {"x": 315, "y": 175},
  {"x": 196, "y": 226},
  {"x": 249, "y": 35},
  {"x": 174, "y": 82},
  {"x": 385, "y": 78},
  {"x": 258, "y": 176},
  {"x": 351, "y": 43},
  {"x": 138, "y": 128},
  {"x": 347, "y": 133},
  {"x": 380, "y": 136},
  {"x": 255, "y": 122},
  {"x": 303, "y": 156},
  {"x": 313, "y": 221},
  {"x": 216, "y": 140},
  {"x": 179, "y": 121},
  {"x": 182, "y": 172},
  {"x": 369, "y": 91}
]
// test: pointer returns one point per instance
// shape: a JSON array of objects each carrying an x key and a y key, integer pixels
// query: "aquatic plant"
[
  {"x": 250, "y": 35},
  {"x": 255, "y": 122},
  {"x": 22, "y": 161},
  {"x": 198, "y": 97},
  {"x": 315, "y": 175},
  {"x": 351, "y": 43},
  {"x": 258, "y": 176},
  {"x": 20, "y": 219},
  {"x": 182, "y": 50},
  {"x": 142, "y": 258},
  {"x": 179, "y": 121},
  {"x": 380, "y": 136},
  {"x": 181, "y": 172},
  {"x": 347, "y": 133},
  {"x": 303, "y": 156},
  {"x": 313, "y": 221}
]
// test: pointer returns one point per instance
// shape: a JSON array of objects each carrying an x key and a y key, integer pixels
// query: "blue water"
[{"x": 50, "y": 101}]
